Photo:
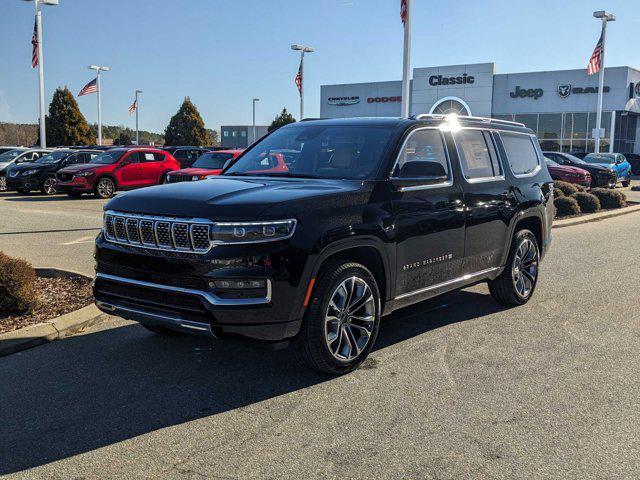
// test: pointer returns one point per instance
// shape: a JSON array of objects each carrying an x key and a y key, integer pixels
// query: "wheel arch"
[{"x": 531, "y": 220}]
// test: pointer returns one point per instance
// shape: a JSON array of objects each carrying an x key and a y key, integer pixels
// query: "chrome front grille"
[{"x": 160, "y": 233}]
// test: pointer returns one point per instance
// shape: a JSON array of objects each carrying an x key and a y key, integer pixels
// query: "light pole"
[
  {"x": 406, "y": 59},
  {"x": 303, "y": 49},
  {"x": 137, "y": 108},
  {"x": 604, "y": 17},
  {"x": 254, "y": 118},
  {"x": 38, "y": 3},
  {"x": 99, "y": 69}
]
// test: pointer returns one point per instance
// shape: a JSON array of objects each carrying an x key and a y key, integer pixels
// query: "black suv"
[
  {"x": 40, "y": 174},
  {"x": 371, "y": 216}
]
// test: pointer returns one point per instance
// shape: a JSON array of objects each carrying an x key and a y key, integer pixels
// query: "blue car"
[{"x": 616, "y": 162}]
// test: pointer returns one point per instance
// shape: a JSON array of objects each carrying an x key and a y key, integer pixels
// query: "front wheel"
[
  {"x": 515, "y": 285},
  {"x": 105, "y": 188},
  {"x": 3, "y": 183},
  {"x": 343, "y": 319},
  {"x": 626, "y": 183},
  {"x": 49, "y": 186}
]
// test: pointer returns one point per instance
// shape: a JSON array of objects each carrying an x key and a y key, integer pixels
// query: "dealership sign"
[
  {"x": 534, "y": 93},
  {"x": 565, "y": 90},
  {"x": 439, "y": 80},
  {"x": 342, "y": 101},
  {"x": 384, "y": 99}
]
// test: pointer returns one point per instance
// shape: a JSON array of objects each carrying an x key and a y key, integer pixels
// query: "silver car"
[{"x": 18, "y": 155}]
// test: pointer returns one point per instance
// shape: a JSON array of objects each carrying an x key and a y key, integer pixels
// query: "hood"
[
  {"x": 196, "y": 171},
  {"x": 80, "y": 167},
  {"x": 598, "y": 168},
  {"x": 567, "y": 169},
  {"x": 237, "y": 198},
  {"x": 21, "y": 167},
  {"x": 4, "y": 165}
]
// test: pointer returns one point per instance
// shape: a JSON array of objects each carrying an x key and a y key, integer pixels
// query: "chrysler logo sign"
[
  {"x": 565, "y": 90},
  {"x": 342, "y": 101}
]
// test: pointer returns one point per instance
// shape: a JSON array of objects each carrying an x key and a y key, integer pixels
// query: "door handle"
[{"x": 454, "y": 204}]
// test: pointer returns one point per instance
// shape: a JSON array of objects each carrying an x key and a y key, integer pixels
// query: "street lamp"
[
  {"x": 254, "y": 118},
  {"x": 604, "y": 17},
  {"x": 38, "y": 3},
  {"x": 303, "y": 49},
  {"x": 99, "y": 69}
]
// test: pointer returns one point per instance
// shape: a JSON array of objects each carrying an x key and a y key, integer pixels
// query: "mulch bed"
[{"x": 57, "y": 296}]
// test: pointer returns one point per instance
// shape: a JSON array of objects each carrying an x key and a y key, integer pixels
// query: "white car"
[{"x": 18, "y": 155}]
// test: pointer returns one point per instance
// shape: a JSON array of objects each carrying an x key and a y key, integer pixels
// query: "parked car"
[
  {"x": 377, "y": 214},
  {"x": 41, "y": 173},
  {"x": 209, "y": 163},
  {"x": 601, "y": 175},
  {"x": 117, "y": 169},
  {"x": 16, "y": 156},
  {"x": 568, "y": 174},
  {"x": 616, "y": 161},
  {"x": 185, "y": 155},
  {"x": 6, "y": 148},
  {"x": 634, "y": 161},
  {"x": 579, "y": 155}
]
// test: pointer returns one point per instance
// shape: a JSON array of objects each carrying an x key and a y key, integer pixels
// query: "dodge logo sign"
[
  {"x": 342, "y": 101},
  {"x": 383, "y": 99},
  {"x": 564, "y": 90}
]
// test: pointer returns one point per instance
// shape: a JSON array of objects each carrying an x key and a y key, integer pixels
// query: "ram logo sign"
[{"x": 564, "y": 90}]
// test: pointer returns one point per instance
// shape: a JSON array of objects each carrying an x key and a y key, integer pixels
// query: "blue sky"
[{"x": 222, "y": 53}]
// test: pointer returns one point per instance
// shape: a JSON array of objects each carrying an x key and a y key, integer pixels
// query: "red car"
[
  {"x": 117, "y": 169},
  {"x": 209, "y": 163},
  {"x": 568, "y": 174}
]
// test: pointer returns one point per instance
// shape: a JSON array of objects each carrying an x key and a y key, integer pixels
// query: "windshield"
[
  {"x": 574, "y": 159},
  {"x": 318, "y": 151},
  {"x": 593, "y": 158},
  {"x": 109, "y": 157},
  {"x": 10, "y": 155},
  {"x": 212, "y": 161},
  {"x": 53, "y": 157}
]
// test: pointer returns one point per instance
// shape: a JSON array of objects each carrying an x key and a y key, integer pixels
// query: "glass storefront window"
[
  {"x": 579, "y": 146},
  {"x": 530, "y": 120},
  {"x": 606, "y": 123},
  {"x": 508, "y": 117},
  {"x": 550, "y": 145},
  {"x": 550, "y": 125},
  {"x": 579, "y": 126}
]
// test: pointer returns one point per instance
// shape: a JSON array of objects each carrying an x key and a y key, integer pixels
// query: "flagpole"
[
  {"x": 99, "y": 108},
  {"x": 301, "y": 84},
  {"x": 43, "y": 134},
  {"x": 406, "y": 61},
  {"x": 605, "y": 18},
  {"x": 137, "y": 108}
]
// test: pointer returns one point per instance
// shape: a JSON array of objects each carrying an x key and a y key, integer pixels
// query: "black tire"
[
  {"x": 503, "y": 288},
  {"x": 3, "y": 183},
  {"x": 49, "y": 187},
  {"x": 23, "y": 191},
  {"x": 161, "y": 330},
  {"x": 74, "y": 194},
  {"x": 312, "y": 343},
  {"x": 104, "y": 188},
  {"x": 626, "y": 183}
]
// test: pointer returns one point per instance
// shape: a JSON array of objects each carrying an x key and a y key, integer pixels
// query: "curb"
[
  {"x": 54, "y": 329},
  {"x": 595, "y": 217}
]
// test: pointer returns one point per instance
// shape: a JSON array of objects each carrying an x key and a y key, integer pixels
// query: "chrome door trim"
[{"x": 463, "y": 278}]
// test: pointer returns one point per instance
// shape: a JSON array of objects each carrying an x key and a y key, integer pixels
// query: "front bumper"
[
  {"x": 23, "y": 182},
  {"x": 77, "y": 184},
  {"x": 175, "y": 290}
]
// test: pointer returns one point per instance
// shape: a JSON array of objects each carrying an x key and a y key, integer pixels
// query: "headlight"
[
  {"x": 252, "y": 232},
  {"x": 30, "y": 172},
  {"x": 86, "y": 173},
  {"x": 195, "y": 178}
]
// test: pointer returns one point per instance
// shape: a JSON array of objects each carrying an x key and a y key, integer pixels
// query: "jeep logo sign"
[
  {"x": 534, "y": 93},
  {"x": 342, "y": 101}
]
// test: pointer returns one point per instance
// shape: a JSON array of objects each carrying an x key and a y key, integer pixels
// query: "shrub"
[
  {"x": 566, "y": 187},
  {"x": 610, "y": 198},
  {"x": 557, "y": 193},
  {"x": 580, "y": 188},
  {"x": 17, "y": 286},
  {"x": 566, "y": 206},
  {"x": 588, "y": 203}
]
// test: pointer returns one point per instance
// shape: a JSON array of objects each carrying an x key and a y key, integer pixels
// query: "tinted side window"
[
  {"x": 477, "y": 154},
  {"x": 521, "y": 153},
  {"x": 423, "y": 152},
  {"x": 148, "y": 157},
  {"x": 74, "y": 158},
  {"x": 159, "y": 157},
  {"x": 181, "y": 154},
  {"x": 132, "y": 157}
]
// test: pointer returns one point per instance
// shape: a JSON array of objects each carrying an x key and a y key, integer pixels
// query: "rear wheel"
[
  {"x": 516, "y": 284},
  {"x": 626, "y": 183},
  {"x": 49, "y": 186},
  {"x": 343, "y": 319},
  {"x": 105, "y": 188}
]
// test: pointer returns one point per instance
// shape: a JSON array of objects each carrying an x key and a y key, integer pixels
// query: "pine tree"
[
  {"x": 65, "y": 123},
  {"x": 281, "y": 120},
  {"x": 123, "y": 139},
  {"x": 186, "y": 127}
]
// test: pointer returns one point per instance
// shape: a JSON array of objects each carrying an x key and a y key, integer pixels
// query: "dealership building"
[{"x": 560, "y": 106}]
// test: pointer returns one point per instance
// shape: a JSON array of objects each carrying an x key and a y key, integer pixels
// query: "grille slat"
[{"x": 179, "y": 235}]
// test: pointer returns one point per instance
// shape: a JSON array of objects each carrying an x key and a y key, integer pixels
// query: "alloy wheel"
[
  {"x": 350, "y": 319},
  {"x": 3, "y": 183},
  {"x": 50, "y": 186},
  {"x": 105, "y": 188},
  {"x": 524, "y": 270}
]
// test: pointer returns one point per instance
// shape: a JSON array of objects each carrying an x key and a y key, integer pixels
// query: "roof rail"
[
  {"x": 495, "y": 121},
  {"x": 311, "y": 119}
]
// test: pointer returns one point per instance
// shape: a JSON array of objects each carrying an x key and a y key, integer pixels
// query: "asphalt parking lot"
[{"x": 458, "y": 387}]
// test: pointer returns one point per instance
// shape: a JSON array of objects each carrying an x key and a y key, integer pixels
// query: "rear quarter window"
[{"x": 521, "y": 153}]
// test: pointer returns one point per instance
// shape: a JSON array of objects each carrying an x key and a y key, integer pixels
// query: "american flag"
[
  {"x": 403, "y": 11},
  {"x": 91, "y": 87},
  {"x": 299, "y": 78},
  {"x": 133, "y": 107},
  {"x": 595, "y": 62},
  {"x": 34, "y": 42}
]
